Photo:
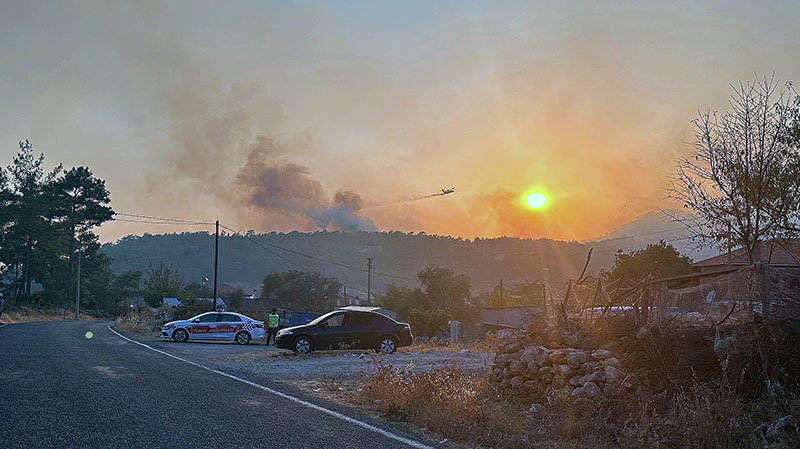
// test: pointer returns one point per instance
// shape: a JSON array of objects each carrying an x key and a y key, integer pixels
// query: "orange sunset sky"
[{"x": 258, "y": 113}]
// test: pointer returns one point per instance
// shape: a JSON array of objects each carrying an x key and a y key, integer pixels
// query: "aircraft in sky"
[{"x": 448, "y": 191}]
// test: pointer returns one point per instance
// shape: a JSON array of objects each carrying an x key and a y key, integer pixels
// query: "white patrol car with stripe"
[{"x": 215, "y": 326}]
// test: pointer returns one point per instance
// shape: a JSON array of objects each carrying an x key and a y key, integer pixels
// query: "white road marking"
[{"x": 341, "y": 416}]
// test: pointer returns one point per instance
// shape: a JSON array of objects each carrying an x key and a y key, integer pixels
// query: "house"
[
  {"x": 175, "y": 302},
  {"x": 729, "y": 278},
  {"x": 777, "y": 254},
  {"x": 227, "y": 290},
  {"x": 262, "y": 306},
  {"x": 171, "y": 302},
  {"x": 516, "y": 317}
]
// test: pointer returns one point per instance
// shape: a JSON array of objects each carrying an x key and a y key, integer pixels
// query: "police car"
[{"x": 215, "y": 326}]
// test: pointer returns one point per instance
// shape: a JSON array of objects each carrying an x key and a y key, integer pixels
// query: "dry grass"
[
  {"x": 26, "y": 315},
  {"x": 137, "y": 322},
  {"x": 465, "y": 408},
  {"x": 488, "y": 345}
]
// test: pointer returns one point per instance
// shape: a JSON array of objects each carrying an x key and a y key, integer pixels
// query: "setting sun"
[{"x": 536, "y": 200}]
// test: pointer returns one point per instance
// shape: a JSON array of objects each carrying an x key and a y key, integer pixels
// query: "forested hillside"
[{"x": 403, "y": 255}]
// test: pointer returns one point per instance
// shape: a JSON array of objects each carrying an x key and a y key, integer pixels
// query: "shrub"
[
  {"x": 428, "y": 322},
  {"x": 464, "y": 407},
  {"x": 142, "y": 320},
  {"x": 192, "y": 307}
]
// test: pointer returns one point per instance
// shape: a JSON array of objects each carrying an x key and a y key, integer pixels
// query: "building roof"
[
  {"x": 780, "y": 253},
  {"x": 229, "y": 289},
  {"x": 172, "y": 302}
]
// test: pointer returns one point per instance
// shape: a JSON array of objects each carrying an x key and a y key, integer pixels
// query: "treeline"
[
  {"x": 443, "y": 295},
  {"x": 46, "y": 221},
  {"x": 485, "y": 261}
]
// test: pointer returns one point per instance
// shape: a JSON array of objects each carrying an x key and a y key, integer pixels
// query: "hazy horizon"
[{"x": 280, "y": 117}]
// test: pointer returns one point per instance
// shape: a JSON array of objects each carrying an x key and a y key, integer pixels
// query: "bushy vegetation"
[
  {"x": 636, "y": 265},
  {"x": 443, "y": 295},
  {"x": 299, "y": 290}
]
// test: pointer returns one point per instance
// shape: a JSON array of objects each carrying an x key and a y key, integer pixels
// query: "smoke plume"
[{"x": 267, "y": 184}]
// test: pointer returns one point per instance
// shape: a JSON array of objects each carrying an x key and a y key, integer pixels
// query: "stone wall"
[{"x": 579, "y": 374}]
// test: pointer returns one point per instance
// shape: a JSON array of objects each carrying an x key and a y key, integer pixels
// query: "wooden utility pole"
[
  {"x": 369, "y": 280},
  {"x": 78, "y": 287},
  {"x": 729, "y": 245},
  {"x": 501, "y": 292},
  {"x": 216, "y": 263},
  {"x": 764, "y": 289}
]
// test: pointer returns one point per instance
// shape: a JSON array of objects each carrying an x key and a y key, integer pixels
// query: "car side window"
[
  {"x": 382, "y": 322},
  {"x": 210, "y": 318},
  {"x": 228, "y": 318},
  {"x": 362, "y": 319},
  {"x": 337, "y": 320}
]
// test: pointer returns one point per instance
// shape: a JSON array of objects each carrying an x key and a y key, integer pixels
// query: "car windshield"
[{"x": 321, "y": 318}]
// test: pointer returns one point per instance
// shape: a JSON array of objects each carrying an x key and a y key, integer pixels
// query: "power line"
[
  {"x": 151, "y": 217},
  {"x": 320, "y": 259},
  {"x": 125, "y": 220},
  {"x": 301, "y": 267}
]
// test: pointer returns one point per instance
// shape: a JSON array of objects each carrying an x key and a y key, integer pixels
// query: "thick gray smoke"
[
  {"x": 267, "y": 184},
  {"x": 343, "y": 214}
]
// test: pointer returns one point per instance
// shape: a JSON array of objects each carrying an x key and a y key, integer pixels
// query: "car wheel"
[
  {"x": 242, "y": 338},
  {"x": 302, "y": 345},
  {"x": 180, "y": 335},
  {"x": 387, "y": 345}
]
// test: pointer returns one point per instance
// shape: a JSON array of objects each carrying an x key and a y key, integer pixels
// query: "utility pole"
[
  {"x": 729, "y": 245},
  {"x": 501, "y": 292},
  {"x": 369, "y": 280},
  {"x": 216, "y": 263},
  {"x": 78, "y": 288}
]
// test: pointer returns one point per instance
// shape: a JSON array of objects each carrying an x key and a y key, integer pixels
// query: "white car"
[{"x": 215, "y": 326}]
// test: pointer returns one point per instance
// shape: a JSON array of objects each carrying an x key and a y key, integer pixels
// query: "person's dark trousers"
[{"x": 272, "y": 332}]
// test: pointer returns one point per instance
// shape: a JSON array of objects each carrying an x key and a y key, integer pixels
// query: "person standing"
[{"x": 272, "y": 330}]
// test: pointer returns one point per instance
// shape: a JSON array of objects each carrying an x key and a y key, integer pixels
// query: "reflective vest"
[{"x": 273, "y": 319}]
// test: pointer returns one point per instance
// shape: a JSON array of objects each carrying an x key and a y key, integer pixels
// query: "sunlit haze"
[{"x": 274, "y": 116}]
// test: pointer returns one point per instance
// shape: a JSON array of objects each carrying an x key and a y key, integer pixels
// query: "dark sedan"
[{"x": 347, "y": 330}]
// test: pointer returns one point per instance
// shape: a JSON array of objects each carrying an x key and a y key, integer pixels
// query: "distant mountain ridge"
[
  {"x": 397, "y": 256},
  {"x": 652, "y": 227}
]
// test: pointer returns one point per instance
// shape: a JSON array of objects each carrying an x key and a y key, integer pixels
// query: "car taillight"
[
  {"x": 407, "y": 327},
  {"x": 259, "y": 325}
]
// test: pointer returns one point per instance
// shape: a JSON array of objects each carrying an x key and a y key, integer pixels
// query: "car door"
[
  {"x": 227, "y": 325},
  {"x": 362, "y": 330},
  {"x": 332, "y": 332},
  {"x": 204, "y": 328}
]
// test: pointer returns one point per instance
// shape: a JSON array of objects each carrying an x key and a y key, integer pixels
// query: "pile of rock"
[{"x": 575, "y": 373}]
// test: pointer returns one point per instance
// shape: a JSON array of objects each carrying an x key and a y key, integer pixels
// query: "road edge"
[{"x": 342, "y": 416}]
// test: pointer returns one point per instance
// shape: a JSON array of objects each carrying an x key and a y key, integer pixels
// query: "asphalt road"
[{"x": 61, "y": 389}]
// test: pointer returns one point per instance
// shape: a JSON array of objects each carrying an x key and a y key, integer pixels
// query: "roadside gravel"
[{"x": 281, "y": 365}]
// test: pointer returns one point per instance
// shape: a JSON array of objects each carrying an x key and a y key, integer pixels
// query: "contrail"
[{"x": 409, "y": 200}]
